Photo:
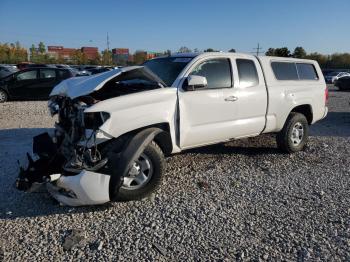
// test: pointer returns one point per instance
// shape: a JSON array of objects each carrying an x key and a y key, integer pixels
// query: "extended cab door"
[
  {"x": 251, "y": 93},
  {"x": 232, "y": 105}
]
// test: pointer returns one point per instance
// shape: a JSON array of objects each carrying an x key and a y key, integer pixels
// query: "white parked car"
[{"x": 115, "y": 128}]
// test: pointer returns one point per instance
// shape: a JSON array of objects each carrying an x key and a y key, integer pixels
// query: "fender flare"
[{"x": 121, "y": 163}]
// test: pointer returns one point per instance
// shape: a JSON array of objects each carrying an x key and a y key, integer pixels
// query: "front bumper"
[
  {"x": 85, "y": 188},
  {"x": 46, "y": 165},
  {"x": 325, "y": 112}
]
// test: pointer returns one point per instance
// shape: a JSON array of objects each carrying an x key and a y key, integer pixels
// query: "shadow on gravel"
[
  {"x": 14, "y": 143},
  {"x": 230, "y": 148},
  {"x": 336, "y": 124}
]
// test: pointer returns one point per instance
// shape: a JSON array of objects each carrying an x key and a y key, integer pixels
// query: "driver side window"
[
  {"x": 28, "y": 75},
  {"x": 217, "y": 72}
]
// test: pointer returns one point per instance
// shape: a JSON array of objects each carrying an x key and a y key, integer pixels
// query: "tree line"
[
  {"x": 13, "y": 53},
  {"x": 335, "y": 60}
]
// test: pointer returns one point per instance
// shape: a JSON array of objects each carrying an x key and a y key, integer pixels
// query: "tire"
[
  {"x": 340, "y": 88},
  {"x": 119, "y": 191},
  {"x": 3, "y": 96},
  {"x": 294, "y": 135},
  {"x": 157, "y": 162}
]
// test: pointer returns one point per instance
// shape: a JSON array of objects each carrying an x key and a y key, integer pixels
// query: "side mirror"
[{"x": 195, "y": 82}]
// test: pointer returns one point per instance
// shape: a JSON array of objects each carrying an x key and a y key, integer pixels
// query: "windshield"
[{"x": 167, "y": 68}]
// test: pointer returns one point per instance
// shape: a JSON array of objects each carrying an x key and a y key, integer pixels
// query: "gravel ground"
[{"x": 238, "y": 201}]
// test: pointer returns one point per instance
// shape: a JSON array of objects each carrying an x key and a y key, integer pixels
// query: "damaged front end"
[{"x": 71, "y": 161}]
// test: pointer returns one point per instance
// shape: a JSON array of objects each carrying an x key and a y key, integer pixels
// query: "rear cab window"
[
  {"x": 306, "y": 71},
  {"x": 294, "y": 71},
  {"x": 285, "y": 70}
]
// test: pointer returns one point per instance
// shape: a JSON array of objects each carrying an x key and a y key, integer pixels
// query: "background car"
[
  {"x": 329, "y": 75},
  {"x": 6, "y": 70},
  {"x": 339, "y": 75},
  {"x": 343, "y": 83},
  {"x": 32, "y": 84},
  {"x": 98, "y": 70}
]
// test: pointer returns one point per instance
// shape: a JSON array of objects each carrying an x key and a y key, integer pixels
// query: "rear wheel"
[
  {"x": 3, "y": 96},
  {"x": 293, "y": 137}
]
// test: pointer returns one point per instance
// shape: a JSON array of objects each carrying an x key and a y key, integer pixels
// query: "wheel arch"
[
  {"x": 306, "y": 110},
  {"x": 162, "y": 138}
]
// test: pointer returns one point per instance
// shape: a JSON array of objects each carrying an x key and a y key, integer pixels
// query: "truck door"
[
  {"x": 205, "y": 115},
  {"x": 251, "y": 97},
  {"x": 232, "y": 105}
]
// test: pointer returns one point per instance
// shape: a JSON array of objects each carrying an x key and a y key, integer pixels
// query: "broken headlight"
[
  {"x": 53, "y": 107},
  {"x": 95, "y": 120}
]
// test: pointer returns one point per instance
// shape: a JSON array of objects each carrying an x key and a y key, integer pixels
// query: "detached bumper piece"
[
  {"x": 73, "y": 189},
  {"x": 86, "y": 188}
]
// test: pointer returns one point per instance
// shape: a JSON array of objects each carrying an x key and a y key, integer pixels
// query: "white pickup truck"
[{"x": 114, "y": 128}]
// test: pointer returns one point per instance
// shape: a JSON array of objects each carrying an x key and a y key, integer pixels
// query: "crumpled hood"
[{"x": 84, "y": 85}]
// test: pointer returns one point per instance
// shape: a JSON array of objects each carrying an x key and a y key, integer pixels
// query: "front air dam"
[{"x": 84, "y": 189}]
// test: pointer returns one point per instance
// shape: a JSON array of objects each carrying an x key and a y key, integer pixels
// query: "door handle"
[{"x": 231, "y": 98}]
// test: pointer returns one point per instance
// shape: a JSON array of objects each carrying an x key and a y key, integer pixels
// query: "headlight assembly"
[{"x": 95, "y": 120}]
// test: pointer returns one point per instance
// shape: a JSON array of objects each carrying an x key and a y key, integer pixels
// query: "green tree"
[
  {"x": 184, "y": 49},
  {"x": 209, "y": 50},
  {"x": 167, "y": 52},
  {"x": 140, "y": 57},
  {"x": 299, "y": 52},
  {"x": 106, "y": 57},
  {"x": 97, "y": 60},
  {"x": 282, "y": 52},
  {"x": 232, "y": 50},
  {"x": 12, "y": 53},
  {"x": 321, "y": 59},
  {"x": 270, "y": 52},
  {"x": 41, "y": 48},
  {"x": 79, "y": 58}
]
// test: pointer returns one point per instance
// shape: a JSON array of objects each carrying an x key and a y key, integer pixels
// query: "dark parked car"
[
  {"x": 98, "y": 70},
  {"x": 343, "y": 83},
  {"x": 6, "y": 70},
  {"x": 31, "y": 84}
]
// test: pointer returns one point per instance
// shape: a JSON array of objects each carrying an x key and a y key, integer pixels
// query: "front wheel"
[
  {"x": 294, "y": 135},
  {"x": 3, "y": 96},
  {"x": 145, "y": 175}
]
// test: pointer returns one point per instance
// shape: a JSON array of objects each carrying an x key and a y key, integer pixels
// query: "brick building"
[
  {"x": 90, "y": 52},
  {"x": 120, "y": 56},
  {"x": 61, "y": 52}
]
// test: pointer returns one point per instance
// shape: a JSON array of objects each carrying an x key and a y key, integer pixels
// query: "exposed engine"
[
  {"x": 73, "y": 162},
  {"x": 71, "y": 148}
]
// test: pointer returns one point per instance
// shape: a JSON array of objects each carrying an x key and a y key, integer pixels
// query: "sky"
[{"x": 317, "y": 25}]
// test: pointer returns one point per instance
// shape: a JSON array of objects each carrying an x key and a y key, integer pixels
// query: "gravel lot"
[{"x": 242, "y": 200}]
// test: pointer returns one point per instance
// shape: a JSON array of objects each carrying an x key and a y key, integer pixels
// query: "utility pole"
[
  {"x": 108, "y": 48},
  {"x": 258, "y": 50}
]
